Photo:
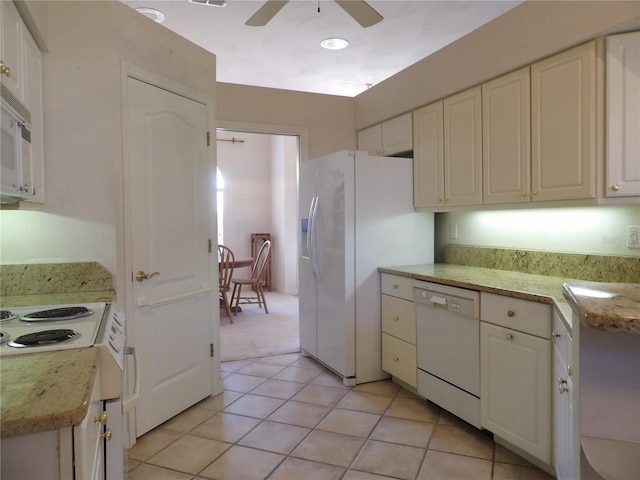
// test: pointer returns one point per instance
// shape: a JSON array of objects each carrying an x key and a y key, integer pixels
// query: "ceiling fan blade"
[
  {"x": 265, "y": 13},
  {"x": 361, "y": 12}
]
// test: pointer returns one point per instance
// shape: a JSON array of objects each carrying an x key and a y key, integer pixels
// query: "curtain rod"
[{"x": 232, "y": 140}]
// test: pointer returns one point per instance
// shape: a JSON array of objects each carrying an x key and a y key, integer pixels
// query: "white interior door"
[{"x": 167, "y": 183}]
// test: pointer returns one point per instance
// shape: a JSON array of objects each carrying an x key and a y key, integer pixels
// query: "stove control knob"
[{"x": 102, "y": 419}]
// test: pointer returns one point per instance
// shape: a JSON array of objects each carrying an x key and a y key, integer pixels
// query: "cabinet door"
[
  {"x": 33, "y": 101},
  {"x": 506, "y": 138},
  {"x": 562, "y": 388},
  {"x": 399, "y": 318},
  {"x": 463, "y": 148},
  {"x": 370, "y": 140},
  {"x": 11, "y": 52},
  {"x": 397, "y": 135},
  {"x": 428, "y": 156},
  {"x": 563, "y": 112},
  {"x": 515, "y": 391},
  {"x": 623, "y": 115}
]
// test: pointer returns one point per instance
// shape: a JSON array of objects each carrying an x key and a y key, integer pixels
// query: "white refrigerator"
[{"x": 356, "y": 214}]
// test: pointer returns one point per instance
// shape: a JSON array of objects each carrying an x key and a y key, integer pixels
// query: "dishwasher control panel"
[{"x": 459, "y": 300}]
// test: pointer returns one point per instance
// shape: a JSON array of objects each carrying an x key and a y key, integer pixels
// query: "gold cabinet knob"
[
  {"x": 396, "y": 318},
  {"x": 562, "y": 385},
  {"x": 508, "y": 336},
  {"x": 395, "y": 359},
  {"x": 511, "y": 313},
  {"x": 4, "y": 70},
  {"x": 102, "y": 419},
  {"x": 615, "y": 187},
  {"x": 142, "y": 276},
  {"x": 106, "y": 435},
  {"x": 533, "y": 193}
]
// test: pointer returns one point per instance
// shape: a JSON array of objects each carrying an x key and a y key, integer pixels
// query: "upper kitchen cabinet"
[
  {"x": 11, "y": 51},
  {"x": 388, "y": 139},
  {"x": 564, "y": 125},
  {"x": 428, "y": 151},
  {"x": 506, "y": 138},
  {"x": 448, "y": 151},
  {"x": 21, "y": 79},
  {"x": 623, "y": 115},
  {"x": 463, "y": 148}
]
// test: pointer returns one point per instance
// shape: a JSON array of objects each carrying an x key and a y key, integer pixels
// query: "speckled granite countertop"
[
  {"x": 611, "y": 307},
  {"x": 46, "y": 391},
  {"x": 526, "y": 286}
]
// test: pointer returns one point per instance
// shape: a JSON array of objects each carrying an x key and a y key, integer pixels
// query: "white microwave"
[{"x": 16, "y": 178}]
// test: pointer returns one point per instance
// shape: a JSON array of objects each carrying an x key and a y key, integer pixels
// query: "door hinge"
[
  {"x": 209, "y": 245},
  {"x": 211, "y": 349},
  {"x": 208, "y": 139}
]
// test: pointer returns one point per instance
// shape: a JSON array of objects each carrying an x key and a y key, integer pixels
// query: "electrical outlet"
[
  {"x": 453, "y": 231},
  {"x": 633, "y": 236}
]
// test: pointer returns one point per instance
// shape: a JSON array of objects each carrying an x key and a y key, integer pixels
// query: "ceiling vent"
[{"x": 212, "y": 3}]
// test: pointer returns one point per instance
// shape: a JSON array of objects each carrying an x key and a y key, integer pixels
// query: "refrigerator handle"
[
  {"x": 314, "y": 236},
  {"x": 310, "y": 226}
]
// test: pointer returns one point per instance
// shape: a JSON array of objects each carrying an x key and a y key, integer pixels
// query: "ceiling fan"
[{"x": 361, "y": 12}]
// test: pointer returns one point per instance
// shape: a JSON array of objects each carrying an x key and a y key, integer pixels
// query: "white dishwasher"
[{"x": 448, "y": 344}]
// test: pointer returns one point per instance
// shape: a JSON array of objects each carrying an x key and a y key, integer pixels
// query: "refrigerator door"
[
  {"x": 307, "y": 284},
  {"x": 335, "y": 261}
]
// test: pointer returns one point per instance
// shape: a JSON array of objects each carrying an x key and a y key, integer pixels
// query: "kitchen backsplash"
[
  {"x": 55, "y": 283},
  {"x": 596, "y": 268}
]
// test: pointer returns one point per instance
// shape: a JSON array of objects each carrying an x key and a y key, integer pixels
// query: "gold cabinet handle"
[
  {"x": 142, "y": 276},
  {"x": 4, "y": 70},
  {"x": 106, "y": 435},
  {"x": 615, "y": 187},
  {"x": 562, "y": 385},
  {"x": 102, "y": 419}
]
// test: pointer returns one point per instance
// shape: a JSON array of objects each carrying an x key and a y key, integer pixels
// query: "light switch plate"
[{"x": 633, "y": 236}]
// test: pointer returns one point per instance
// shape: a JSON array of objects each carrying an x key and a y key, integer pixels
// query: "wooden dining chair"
[
  {"x": 256, "y": 281},
  {"x": 226, "y": 264}
]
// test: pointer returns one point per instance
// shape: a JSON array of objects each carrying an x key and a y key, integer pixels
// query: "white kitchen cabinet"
[
  {"x": 623, "y": 115},
  {"x": 564, "y": 428},
  {"x": 388, "y": 138},
  {"x": 564, "y": 125},
  {"x": 448, "y": 151},
  {"x": 22, "y": 79},
  {"x": 399, "y": 355},
  {"x": 463, "y": 148},
  {"x": 11, "y": 50},
  {"x": 506, "y": 138},
  {"x": 428, "y": 155},
  {"x": 33, "y": 102},
  {"x": 72, "y": 452},
  {"x": 515, "y": 366}
]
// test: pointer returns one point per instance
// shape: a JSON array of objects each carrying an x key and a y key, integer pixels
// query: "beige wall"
[
  {"x": 527, "y": 33},
  {"x": 82, "y": 218},
  {"x": 327, "y": 118}
]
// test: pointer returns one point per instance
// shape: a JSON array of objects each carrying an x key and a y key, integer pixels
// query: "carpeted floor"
[{"x": 255, "y": 334}]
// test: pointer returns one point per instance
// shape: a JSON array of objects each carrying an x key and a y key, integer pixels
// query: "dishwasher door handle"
[{"x": 438, "y": 300}]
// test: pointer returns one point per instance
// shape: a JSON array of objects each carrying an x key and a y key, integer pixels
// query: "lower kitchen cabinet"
[
  {"x": 73, "y": 452},
  {"x": 564, "y": 437},
  {"x": 399, "y": 355},
  {"x": 515, "y": 366}
]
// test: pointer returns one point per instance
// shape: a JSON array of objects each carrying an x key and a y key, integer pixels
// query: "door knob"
[{"x": 141, "y": 276}]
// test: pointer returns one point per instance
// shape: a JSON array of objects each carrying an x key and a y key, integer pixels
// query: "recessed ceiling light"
[
  {"x": 155, "y": 15},
  {"x": 334, "y": 43}
]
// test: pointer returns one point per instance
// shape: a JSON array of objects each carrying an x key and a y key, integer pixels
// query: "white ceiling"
[{"x": 286, "y": 53}]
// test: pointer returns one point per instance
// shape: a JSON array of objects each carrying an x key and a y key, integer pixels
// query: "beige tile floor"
[{"x": 287, "y": 417}]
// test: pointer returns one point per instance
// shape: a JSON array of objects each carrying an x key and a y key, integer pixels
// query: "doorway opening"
[{"x": 259, "y": 196}]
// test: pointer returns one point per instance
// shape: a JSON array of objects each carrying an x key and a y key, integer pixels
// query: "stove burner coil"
[
  {"x": 56, "y": 314},
  {"x": 44, "y": 337},
  {"x": 6, "y": 315}
]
